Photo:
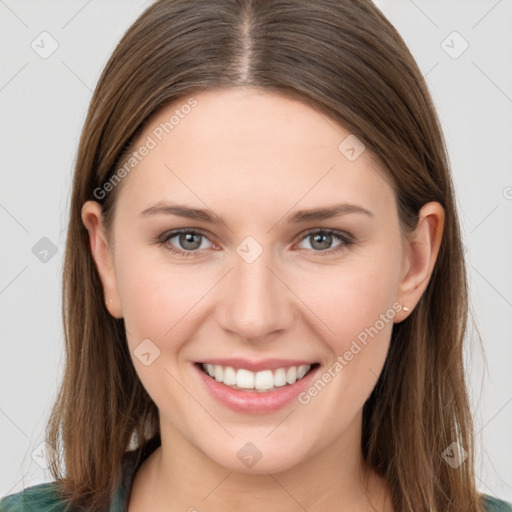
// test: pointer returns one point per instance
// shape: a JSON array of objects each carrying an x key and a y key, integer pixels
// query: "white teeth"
[
  {"x": 302, "y": 371},
  {"x": 264, "y": 380},
  {"x": 229, "y": 376},
  {"x": 280, "y": 377},
  {"x": 261, "y": 381},
  {"x": 291, "y": 375},
  {"x": 245, "y": 379}
]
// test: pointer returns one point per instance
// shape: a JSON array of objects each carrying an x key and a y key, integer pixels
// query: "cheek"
[
  {"x": 356, "y": 306},
  {"x": 155, "y": 292},
  {"x": 160, "y": 303},
  {"x": 161, "y": 299},
  {"x": 351, "y": 296},
  {"x": 341, "y": 302}
]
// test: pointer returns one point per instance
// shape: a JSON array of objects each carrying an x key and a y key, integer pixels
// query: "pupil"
[
  {"x": 188, "y": 238},
  {"x": 327, "y": 240}
]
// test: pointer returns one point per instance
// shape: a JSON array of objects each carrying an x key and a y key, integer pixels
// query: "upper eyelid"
[{"x": 337, "y": 232}]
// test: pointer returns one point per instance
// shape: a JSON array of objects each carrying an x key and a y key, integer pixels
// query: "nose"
[{"x": 257, "y": 301}]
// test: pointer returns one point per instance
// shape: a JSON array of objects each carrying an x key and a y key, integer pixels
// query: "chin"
[{"x": 258, "y": 457}]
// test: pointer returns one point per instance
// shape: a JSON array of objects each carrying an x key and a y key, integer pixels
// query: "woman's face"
[{"x": 263, "y": 289}]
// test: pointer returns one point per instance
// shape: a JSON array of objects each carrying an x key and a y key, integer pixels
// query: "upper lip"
[{"x": 256, "y": 366}]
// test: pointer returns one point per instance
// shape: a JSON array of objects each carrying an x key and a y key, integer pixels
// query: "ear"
[
  {"x": 420, "y": 256},
  {"x": 102, "y": 255}
]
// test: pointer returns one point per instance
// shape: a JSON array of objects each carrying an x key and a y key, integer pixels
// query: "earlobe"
[
  {"x": 421, "y": 254},
  {"x": 102, "y": 255}
]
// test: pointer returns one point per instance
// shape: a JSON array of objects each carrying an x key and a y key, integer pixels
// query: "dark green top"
[{"x": 44, "y": 497}]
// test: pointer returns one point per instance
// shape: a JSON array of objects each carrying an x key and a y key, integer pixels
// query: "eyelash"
[{"x": 346, "y": 240}]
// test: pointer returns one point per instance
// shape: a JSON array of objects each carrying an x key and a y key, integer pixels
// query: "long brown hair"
[{"x": 345, "y": 59}]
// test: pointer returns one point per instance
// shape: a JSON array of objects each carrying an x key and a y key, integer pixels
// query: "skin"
[{"x": 255, "y": 157}]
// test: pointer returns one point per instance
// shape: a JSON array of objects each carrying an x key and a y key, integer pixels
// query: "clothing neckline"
[{"x": 132, "y": 460}]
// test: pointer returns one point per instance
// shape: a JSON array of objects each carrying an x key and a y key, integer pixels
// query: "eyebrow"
[{"x": 166, "y": 208}]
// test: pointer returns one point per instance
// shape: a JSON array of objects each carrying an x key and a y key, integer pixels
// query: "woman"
[{"x": 264, "y": 288}]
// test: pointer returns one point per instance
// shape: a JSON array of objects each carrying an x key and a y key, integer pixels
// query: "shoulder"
[
  {"x": 42, "y": 498},
  {"x": 494, "y": 504},
  {"x": 47, "y": 498}
]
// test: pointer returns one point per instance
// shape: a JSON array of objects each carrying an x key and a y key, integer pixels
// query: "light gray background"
[{"x": 43, "y": 104}]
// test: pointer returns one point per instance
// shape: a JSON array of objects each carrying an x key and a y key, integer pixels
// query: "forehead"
[{"x": 243, "y": 147}]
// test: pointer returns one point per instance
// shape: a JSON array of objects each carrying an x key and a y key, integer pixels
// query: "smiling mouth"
[{"x": 260, "y": 382}]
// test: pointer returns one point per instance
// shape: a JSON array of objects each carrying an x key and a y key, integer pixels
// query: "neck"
[{"x": 182, "y": 478}]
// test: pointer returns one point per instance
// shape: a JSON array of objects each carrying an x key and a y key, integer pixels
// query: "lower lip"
[{"x": 252, "y": 401}]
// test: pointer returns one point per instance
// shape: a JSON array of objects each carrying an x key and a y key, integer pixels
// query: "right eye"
[{"x": 189, "y": 241}]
